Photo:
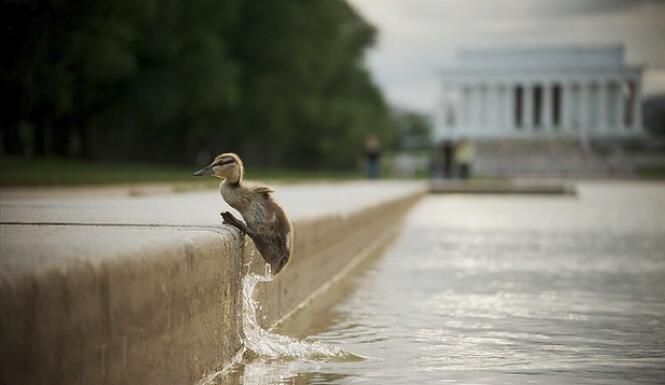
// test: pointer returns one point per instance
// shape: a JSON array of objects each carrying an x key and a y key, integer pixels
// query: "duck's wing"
[{"x": 263, "y": 190}]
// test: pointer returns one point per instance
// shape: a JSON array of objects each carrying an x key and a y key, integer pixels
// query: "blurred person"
[
  {"x": 372, "y": 156},
  {"x": 464, "y": 154}
]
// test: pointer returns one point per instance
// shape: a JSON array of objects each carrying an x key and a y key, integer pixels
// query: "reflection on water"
[{"x": 502, "y": 290}]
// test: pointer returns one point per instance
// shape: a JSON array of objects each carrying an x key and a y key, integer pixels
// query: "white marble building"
[{"x": 568, "y": 92}]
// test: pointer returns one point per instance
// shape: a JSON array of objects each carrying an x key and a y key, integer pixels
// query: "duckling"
[{"x": 265, "y": 220}]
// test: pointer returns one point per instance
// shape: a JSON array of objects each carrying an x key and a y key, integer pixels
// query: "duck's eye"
[{"x": 223, "y": 162}]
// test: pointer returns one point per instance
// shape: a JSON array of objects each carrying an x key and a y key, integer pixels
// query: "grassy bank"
[{"x": 62, "y": 172}]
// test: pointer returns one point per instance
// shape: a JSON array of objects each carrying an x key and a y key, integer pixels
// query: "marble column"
[
  {"x": 493, "y": 107},
  {"x": 584, "y": 110},
  {"x": 527, "y": 107},
  {"x": 502, "y": 123},
  {"x": 636, "y": 106},
  {"x": 500, "y": 107},
  {"x": 464, "y": 106},
  {"x": 456, "y": 105},
  {"x": 479, "y": 107},
  {"x": 504, "y": 109},
  {"x": 546, "y": 107},
  {"x": 483, "y": 106},
  {"x": 566, "y": 95},
  {"x": 490, "y": 107},
  {"x": 612, "y": 97},
  {"x": 471, "y": 105},
  {"x": 620, "y": 107},
  {"x": 601, "y": 118},
  {"x": 509, "y": 108}
]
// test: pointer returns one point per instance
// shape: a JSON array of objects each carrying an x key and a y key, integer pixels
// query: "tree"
[{"x": 281, "y": 82}]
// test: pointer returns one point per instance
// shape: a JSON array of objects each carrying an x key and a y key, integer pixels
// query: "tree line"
[{"x": 281, "y": 82}]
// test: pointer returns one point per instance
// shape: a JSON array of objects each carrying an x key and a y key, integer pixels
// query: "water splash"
[
  {"x": 268, "y": 347},
  {"x": 275, "y": 346}
]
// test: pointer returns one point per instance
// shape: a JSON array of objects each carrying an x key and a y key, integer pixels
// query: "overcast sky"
[{"x": 417, "y": 37}]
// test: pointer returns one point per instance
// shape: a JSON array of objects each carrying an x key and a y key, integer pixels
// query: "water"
[
  {"x": 261, "y": 345},
  {"x": 499, "y": 290},
  {"x": 264, "y": 344}
]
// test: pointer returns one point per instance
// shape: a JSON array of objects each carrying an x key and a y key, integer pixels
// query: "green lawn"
[
  {"x": 61, "y": 172},
  {"x": 651, "y": 172}
]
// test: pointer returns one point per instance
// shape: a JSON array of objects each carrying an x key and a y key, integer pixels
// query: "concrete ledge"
[
  {"x": 99, "y": 298},
  {"x": 501, "y": 186}
]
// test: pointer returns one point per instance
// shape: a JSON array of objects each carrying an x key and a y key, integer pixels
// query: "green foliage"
[{"x": 280, "y": 82}]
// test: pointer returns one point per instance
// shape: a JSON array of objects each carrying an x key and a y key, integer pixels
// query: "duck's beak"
[{"x": 207, "y": 170}]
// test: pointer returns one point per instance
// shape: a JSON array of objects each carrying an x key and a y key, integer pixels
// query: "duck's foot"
[{"x": 229, "y": 219}]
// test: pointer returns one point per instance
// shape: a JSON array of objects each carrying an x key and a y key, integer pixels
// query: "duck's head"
[{"x": 226, "y": 166}]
